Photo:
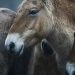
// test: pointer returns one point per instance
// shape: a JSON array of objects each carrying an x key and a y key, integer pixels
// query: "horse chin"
[{"x": 17, "y": 53}]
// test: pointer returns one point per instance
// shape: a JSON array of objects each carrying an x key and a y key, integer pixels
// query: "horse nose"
[
  {"x": 11, "y": 46},
  {"x": 73, "y": 73}
]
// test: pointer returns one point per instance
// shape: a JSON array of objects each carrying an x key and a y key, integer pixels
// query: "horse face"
[{"x": 30, "y": 26}]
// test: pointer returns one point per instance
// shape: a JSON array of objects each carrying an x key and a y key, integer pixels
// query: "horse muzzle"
[{"x": 14, "y": 44}]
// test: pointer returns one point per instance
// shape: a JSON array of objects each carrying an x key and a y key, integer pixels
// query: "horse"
[
  {"x": 71, "y": 60},
  {"x": 49, "y": 19},
  {"x": 45, "y": 63},
  {"x": 6, "y": 19},
  {"x": 21, "y": 65}
]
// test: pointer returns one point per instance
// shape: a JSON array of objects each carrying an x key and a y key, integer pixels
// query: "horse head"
[{"x": 32, "y": 23}]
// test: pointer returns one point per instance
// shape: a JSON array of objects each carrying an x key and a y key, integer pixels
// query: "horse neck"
[{"x": 61, "y": 37}]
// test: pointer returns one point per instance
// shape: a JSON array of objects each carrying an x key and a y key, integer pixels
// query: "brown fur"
[
  {"x": 71, "y": 57},
  {"x": 54, "y": 21},
  {"x": 40, "y": 64},
  {"x": 6, "y": 19},
  {"x": 34, "y": 62}
]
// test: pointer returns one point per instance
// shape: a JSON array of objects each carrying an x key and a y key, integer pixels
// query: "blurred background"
[{"x": 11, "y": 4}]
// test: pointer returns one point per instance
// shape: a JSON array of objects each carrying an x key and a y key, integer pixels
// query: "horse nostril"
[
  {"x": 73, "y": 73},
  {"x": 11, "y": 46}
]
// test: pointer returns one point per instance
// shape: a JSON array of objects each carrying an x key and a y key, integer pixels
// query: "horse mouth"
[{"x": 13, "y": 53}]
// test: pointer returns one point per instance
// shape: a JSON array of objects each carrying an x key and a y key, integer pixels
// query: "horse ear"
[{"x": 47, "y": 50}]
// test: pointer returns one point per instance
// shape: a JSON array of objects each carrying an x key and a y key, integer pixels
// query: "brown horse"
[
  {"x": 45, "y": 62},
  {"x": 38, "y": 19},
  {"x": 6, "y": 19}
]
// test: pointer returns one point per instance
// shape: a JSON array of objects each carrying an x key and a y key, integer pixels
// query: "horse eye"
[{"x": 33, "y": 12}]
